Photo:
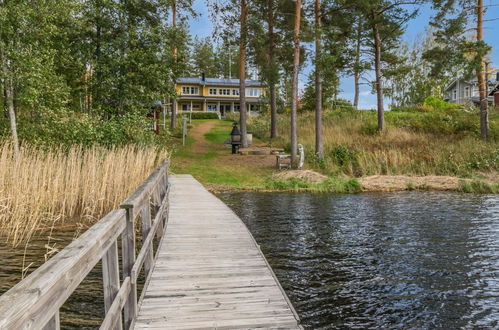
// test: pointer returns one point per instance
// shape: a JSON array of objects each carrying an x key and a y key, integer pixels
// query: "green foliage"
[
  {"x": 343, "y": 155},
  {"x": 86, "y": 131},
  {"x": 202, "y": 115},
  {"x": 477, "y": 186},
  {"x": 330, "y": 185},
  {"x": 438, "y": 104},
  {"x": 89, "y": 71},
  {"x": 454, "y": 48}
]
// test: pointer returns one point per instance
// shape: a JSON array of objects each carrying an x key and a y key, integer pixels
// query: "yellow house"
[{"x": 216, "y": 95}]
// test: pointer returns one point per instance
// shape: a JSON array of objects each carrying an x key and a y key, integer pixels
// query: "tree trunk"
[
  {"x": 377, "y": 69},
  {"x": 9, "y": 101},
  {"x": 356, "y": 72},
  {"x": 272, "y": 87},
  {"x": 294, "y": 97},
  {"x": 242, "y": 75},
  {"x": 173, "y": 117},
  {"x": 482, "y": 83},
  {"x": 319, "y": 149}
]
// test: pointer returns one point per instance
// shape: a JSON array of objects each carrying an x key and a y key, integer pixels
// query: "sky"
[{"x": 203, "y": 27}]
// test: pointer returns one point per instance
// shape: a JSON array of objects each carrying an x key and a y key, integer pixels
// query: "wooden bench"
[{"x": 284, "y": 160}]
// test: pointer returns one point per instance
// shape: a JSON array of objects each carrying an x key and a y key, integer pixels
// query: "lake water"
[{"x": 391, "y": 260}]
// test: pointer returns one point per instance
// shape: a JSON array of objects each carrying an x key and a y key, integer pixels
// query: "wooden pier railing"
[{"x": 34, "y": 302}]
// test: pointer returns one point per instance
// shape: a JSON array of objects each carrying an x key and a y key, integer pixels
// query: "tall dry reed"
[{"x": 44, "y": 188}]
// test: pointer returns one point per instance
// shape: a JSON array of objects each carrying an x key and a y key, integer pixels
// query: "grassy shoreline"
[{"x": 210, "y": 162}]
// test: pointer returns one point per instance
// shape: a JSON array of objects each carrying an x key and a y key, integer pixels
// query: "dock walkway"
[{"x": 209, "y": 272}]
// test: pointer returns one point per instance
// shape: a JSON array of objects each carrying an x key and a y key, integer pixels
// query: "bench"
[{"x": 284, "y": 160}]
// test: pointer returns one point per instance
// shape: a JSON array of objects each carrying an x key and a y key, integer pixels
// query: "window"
[
  {"x": 224, "y": 91},
  {"x": 253, "y": 92},
  {"x": 454, "y": 94},
  {"x": 187, "y": 106},
  {"x": 190, "y": 90},
  {"x": 466, "y": 92},
  {"x": 235, "y": 92},
  {"x": 213, "y": 91}
]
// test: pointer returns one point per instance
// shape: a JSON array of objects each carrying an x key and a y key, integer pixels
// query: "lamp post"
[{"x": 235, "y": 138}]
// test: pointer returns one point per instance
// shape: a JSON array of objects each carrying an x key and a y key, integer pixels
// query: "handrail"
[{"x": 34, "y": 302}]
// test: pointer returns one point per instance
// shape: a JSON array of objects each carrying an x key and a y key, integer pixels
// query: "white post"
[
  {"x": 232, "y": 107},
  {"x": 190, "y": 115},
  {"x": 184, "y": 129}
]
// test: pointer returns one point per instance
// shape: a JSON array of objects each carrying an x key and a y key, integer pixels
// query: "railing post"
[
  {"x": 111, "y": 279},
  {"x": 54, "y": 323},
  {"x": 157, "y": 205},
  {"x": 146, "y": 228},
  {"x": 128, "y": 247}
]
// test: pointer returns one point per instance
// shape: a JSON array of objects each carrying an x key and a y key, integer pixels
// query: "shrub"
[
  {"x": 203, "y": 115},
  {"x": 87, "y": 130},
  {"x": 343, "y": 155},
  {"x": 438, "y": 104}
]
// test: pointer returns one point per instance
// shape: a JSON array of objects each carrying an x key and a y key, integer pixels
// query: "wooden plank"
[
  {"x": 113, "y": 316},
  {"x": 147, "y": 245},
  {"x": 209, "y": 272},
  {"x": 111, "y": 280},
  {"x": 32, "y": 302},
  {"x": 137, "y": 199},
  {"x": 128, "y": 250},
  {"x": 54, "y": 323}
]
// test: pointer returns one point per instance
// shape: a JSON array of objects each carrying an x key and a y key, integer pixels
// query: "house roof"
[{"x": 217, "y": 81}]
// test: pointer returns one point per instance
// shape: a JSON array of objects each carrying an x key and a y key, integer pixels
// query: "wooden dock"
[
  {"x": 207, "y": 272},
  {"x": 210, "y": 273}
]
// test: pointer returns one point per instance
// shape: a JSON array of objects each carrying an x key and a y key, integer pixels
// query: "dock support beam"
[{"x": 128, "y": 246}]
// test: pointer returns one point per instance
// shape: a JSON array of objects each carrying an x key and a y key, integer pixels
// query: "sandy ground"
[
  {"x": 305, "y": 175},
  {"x": 403, "y": 182}
]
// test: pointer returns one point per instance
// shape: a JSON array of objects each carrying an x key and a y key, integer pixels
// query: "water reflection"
[{"x": 397, "y": 260}]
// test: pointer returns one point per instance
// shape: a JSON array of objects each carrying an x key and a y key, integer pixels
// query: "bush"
[
  {"x": 343, "y": 155},
  {"x": 86, "y": 130},
  {"x": 203, "y": 115},
  {"x": 438, "y": 104}
]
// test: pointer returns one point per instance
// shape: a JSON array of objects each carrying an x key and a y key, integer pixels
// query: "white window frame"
[
  {"x": 190, "y": 90},
  {"x": 467, "y": 91},
  {"x": 235, "y": 92},
  {"x": 223, "y": 91},
  {"x": 454, "y": 94},
  {"x": 213, "y": 91},
  {"x": 253, "y": 92}
]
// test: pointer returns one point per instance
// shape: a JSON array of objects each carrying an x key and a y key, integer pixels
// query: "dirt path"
[{"x": 201, "y": 146}]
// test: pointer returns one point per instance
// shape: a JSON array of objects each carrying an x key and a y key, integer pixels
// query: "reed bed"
[{"x": 42, "y": 189}]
